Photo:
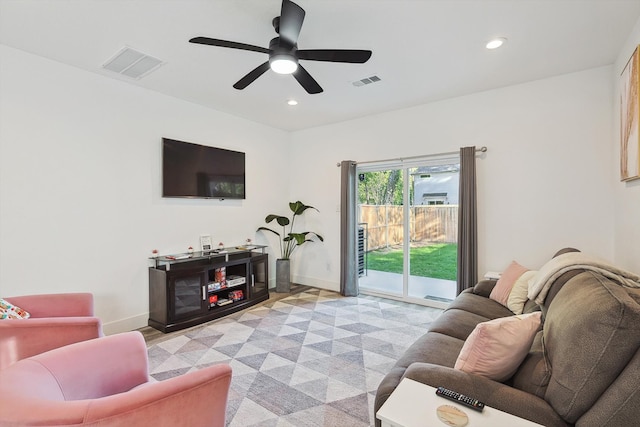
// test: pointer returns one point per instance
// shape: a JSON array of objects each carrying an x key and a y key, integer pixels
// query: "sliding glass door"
[{"x": 407, "y": 231}]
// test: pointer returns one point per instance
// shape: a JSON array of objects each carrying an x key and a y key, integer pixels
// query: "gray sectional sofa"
[{"x": 583, "y": 368}]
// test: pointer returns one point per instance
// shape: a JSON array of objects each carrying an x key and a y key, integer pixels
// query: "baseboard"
[
  {"x": 126, "y": 325},
  {"x": 316, "y": 283}
]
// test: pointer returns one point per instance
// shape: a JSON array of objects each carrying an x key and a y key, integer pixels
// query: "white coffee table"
[{"x": 413, "y": 404}]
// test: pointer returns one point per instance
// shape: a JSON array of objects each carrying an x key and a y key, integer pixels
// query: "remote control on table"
[{"x": 472, "y": 403}]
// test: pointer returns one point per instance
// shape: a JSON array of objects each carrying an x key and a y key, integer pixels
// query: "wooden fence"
[{"x": 429, "y": 224}]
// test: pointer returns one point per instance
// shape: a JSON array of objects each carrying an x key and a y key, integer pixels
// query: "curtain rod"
[{"x": 402, "y": 159}]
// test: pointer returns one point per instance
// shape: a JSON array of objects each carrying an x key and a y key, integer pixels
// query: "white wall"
[
  {"x": 544, "y": 183},
  {"x": 80, "y": 196},
  {"x": 627, "y": 194}
]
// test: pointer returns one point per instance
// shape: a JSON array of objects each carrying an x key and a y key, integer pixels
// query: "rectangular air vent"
[
  {"x": 131, "y": 63},
  {"x": 366, "y": 81}
]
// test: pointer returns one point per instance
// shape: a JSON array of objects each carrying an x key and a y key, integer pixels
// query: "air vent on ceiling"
[
  {"x": 366, "y": 81},
  {"x": 131, "y": 63}
]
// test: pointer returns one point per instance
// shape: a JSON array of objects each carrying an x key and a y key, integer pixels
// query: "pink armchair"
[
  {"x": 106, "y": 382},
  {"x": 56, "y": 320}
]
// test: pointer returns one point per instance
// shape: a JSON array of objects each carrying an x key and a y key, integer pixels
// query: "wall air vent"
[
  {"x": 131, "y": 63},
  {"x": 367, "y": 81}
]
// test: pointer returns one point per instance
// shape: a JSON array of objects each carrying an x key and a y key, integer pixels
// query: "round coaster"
[{"x": 452, "y": 416}]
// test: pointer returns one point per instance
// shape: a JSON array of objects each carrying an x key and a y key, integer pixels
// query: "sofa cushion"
[
  {"x": 432, "y": 347},
  {"x": 591, "y": 332},
  {"x": 456, "y": 323},
  {"x": 496, "y": 348},
  {"x": 480, "y": 305},
  {"x": 501, "y": 291}
]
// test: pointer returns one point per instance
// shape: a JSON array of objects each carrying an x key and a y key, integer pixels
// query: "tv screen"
[{"x": 193, "y": 170}]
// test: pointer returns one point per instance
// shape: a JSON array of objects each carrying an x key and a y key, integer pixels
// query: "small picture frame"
[{"x": 205, "y": 243}]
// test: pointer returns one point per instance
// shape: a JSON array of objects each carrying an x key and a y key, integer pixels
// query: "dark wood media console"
[{"x": 189, "y": 289}]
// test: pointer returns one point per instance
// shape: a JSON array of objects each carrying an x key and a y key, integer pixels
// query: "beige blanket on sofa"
[{"x": 539, "y": 287}]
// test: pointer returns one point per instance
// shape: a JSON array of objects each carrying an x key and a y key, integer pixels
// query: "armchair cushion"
[{"x": 105, "y": 382}]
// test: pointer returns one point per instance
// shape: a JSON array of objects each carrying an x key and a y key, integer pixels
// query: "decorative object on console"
[
  {"x": 205, "y": 243},
  {"x": 629, "y": 119},
  {"x": 289, "y": 242}
]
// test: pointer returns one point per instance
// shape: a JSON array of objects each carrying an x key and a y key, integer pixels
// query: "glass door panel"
[
  {"x": 381, "y": 231},
  {"x": 434, "y": 232}
]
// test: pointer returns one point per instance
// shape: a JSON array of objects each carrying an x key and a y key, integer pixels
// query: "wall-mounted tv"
[{"x": 193, "y": 170}]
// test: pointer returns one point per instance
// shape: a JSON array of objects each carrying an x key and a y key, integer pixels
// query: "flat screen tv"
[{"x": 199, "y": 171}]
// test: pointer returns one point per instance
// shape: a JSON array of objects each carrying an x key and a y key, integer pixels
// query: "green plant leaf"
[
  {"x": 268, "y": 229},
  {"x": 298, "y": 207},
  {"x": 283, "y": 220}
]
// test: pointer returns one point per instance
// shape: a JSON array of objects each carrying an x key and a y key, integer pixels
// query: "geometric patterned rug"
[{"x": 310, "y": 359}]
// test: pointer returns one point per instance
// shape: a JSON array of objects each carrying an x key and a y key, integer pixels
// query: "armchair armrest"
[
  {"x": 21, "y": 338},
  {"x": 494, "y": 394},
  {"x": 55, "y": 305},
  {"x": 196, "y": 399}
]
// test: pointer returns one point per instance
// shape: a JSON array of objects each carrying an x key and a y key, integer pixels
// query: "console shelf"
[{"x": 189, "y": 289}]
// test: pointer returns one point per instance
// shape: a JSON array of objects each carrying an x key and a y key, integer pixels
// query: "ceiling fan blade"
[
  {"x": 291, "y": 18},
  {"x": 254, "y": 74},
  {"x": 225, "y": 43},
  {"x": 335, "y": 55},
  {"x": 306, "y": 81}
]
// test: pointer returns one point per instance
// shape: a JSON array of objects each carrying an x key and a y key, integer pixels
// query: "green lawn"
[{"x": 437, "y": 261}]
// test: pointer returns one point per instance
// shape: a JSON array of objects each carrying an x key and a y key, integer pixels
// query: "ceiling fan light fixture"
[
  {"x": 283, "y": 64},
  {"x": 495, "y": 43}
]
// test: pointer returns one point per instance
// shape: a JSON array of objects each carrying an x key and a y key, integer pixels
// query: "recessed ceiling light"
[
  {"x": 292, "y": 102},
  {"x": 496, "y": 43}
]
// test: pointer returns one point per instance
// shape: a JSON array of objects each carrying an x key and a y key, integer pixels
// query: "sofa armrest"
[
  {"x": 484, "y": 287},
  {"x": 55, "y": 305},
  {"x": 20, "y": 338},
  {"x": 494, "y": 394}
]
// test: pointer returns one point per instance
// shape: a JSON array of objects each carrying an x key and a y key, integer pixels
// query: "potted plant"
[{"x": 289, "y": 242}]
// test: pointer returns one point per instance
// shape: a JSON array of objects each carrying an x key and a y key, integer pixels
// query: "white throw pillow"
[{"x": 518, "y": 296}]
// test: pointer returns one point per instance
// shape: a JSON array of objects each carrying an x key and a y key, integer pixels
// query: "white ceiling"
[{"x": 423, "y": 50}]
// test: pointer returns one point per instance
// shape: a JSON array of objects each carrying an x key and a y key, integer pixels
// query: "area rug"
[{"x": 310, "y": 359}]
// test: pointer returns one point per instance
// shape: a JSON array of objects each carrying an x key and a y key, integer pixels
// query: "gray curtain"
[
  {"x": 348, "y": 261},
  {"x": 467, "y": 221}
]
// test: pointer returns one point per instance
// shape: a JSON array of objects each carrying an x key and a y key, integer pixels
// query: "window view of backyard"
[
  {"x": 436, "y": 260},
  {"x": 432, "y": 233}
]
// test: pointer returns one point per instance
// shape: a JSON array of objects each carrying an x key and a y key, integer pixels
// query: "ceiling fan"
[{"x": 283, "y": 51}]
